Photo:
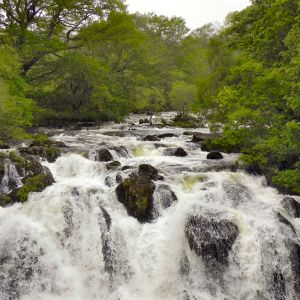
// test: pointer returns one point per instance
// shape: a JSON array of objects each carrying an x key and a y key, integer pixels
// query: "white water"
[{"x": 52, "y": 246}]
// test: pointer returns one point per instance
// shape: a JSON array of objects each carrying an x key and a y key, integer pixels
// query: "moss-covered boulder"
[
  {"x": 113, "y": 165},
  {"x": 136, "y": 193},
  {"x": 103, "y": 155},
  {"x": 20, "y": 175},
  {"x": 45, "y": 148}
]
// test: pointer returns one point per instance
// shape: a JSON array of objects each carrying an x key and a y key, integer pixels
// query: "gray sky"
[{"x": 195, "y": 12}]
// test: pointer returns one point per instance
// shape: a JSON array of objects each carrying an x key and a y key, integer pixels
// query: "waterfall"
[
  {"x": 11, "y": 177},
  {"x": 216, "y": 234}
]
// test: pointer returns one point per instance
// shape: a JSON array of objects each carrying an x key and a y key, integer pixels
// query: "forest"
[{"x": 64, "y": 61}]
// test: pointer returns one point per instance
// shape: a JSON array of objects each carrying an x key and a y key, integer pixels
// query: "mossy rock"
[
  {"x": 34, "y": 184},
  {"x": 136, "y": 193},
  {"x": 5, "y": 200},
  {"x": 35, "y": 177},
  {"x": 113, "y": 165}
]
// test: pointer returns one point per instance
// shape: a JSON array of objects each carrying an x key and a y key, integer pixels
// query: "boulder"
[
  {"x": 147, "y": 171},
  {"x": 291, "y": 206},
  {"x": 119, "y": 178},
  {"x": 151, "y": 138},
  {"x": 136, "y": 193},
  {"x": 167, "y": 135},
  {"x": 211, "y": 237},
  {"x": 45, "y": 148},
  {"x": 121, "y": 150},
  {"x": 179, "y": 152},
  {"x": 214, "y": 155},
  {"x": 103, "y": 155},
  {"x": 113, "y": 165},
  {"x": 23, "y": 175},
  {"x": 166, "y": 196},
  {"x": 200, "y": 136}
]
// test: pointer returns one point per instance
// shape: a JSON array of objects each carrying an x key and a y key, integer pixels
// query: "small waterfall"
[{"x": 11, "y": 177}]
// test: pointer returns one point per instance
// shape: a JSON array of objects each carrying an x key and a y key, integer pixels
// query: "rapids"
[{"x": 75, "y": 241}]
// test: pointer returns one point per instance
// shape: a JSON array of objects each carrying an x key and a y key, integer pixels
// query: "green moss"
[
  {"x": 20, "y": 161},
  {"x": 33, "y": 184},
  {"x": 142, "y": 204},
  {"x": 5, "y": 200}
]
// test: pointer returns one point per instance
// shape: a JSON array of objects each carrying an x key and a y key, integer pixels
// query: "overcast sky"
[{"x": 195, "y": 12}]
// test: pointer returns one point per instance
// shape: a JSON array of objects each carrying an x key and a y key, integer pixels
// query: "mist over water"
[{"x": 76, "y": 241}]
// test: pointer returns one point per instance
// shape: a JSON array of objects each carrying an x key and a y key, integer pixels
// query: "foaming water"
[{"x": 75, "y": 240}]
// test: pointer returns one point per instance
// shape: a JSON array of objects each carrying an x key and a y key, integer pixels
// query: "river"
[{"x": 75, "y": 240}]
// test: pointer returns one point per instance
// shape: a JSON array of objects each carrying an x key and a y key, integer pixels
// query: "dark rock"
[
  {"x": 151, "y": 138},
  {"x": 188, "y": 133},
  {"x": 35, "y": 177},
  {"x": 113, "y": 165},
  {"x": 166, "y": 196},
  {"x": 126, "y": 168},
  {"x": 159, "y": 145},
  {"x": 46, "y": 149},
  {"x": 291, "y": 206},
  {"x": 214, "y": 155},
  {"x": 144, "y": 121},
  {"x": 4, "y": 146},
  {"x": 147, "y": 171},
  {"x": 200, "y": 137},
  {"x": 119, "y": 178},
  {"x": 103, "y": 155},
  {"x": 136, "y": 193},
  {"x": 167, "y": 135},
  {"x": 179, "y": 152},
  {"x": 211, "y": 238}
]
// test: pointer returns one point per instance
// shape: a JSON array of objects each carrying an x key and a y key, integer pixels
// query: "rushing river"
[{"x": 75, "y": 240}]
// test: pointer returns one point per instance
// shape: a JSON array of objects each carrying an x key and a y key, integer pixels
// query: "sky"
[{"x": 195, "y": 12}]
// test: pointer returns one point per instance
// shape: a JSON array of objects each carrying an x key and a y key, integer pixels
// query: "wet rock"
[
  {"x": 159, "y": 145},
  {"x": 23, "y": 176},
  {"x": 109, "y": 181},
  {"x": 179, "y": 152},
  {"x": 211, "y": 238},
  {"x": 144, "y": 121},
  {"x": 46, "y": 149},
  {"x": 214, "y": 155},
  {"x": 167, "y": 135},
  {"x": 119, "y": 178},
  {"x": 201, "y": 137},
  {"x": 136, "y": 193},
  {"x": 113, "y": 165},
  {"x": 127, "y": 168},
  {"x": 147, "y": 171},
  {"x": 151, "y": 138},
  {"x": 103, "y": 155},
  {"x": 122, "y": 151},
  {"x": 291, "y": 206},
  {"x": 166, "y": 196}
]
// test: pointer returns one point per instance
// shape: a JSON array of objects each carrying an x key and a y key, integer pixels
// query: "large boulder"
[
  {"x": 103, "y": 155},
  {"x": 211, "y": 237},
  {"x": 44, "y": 148},
  {"x": 19, "y": 176},
  {"x": 136, "y": 193},
  {"x": 214, "y": 155}
]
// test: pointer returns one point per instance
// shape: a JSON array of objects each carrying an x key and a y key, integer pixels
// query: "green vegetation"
[{"x": 70, "y": 61}]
